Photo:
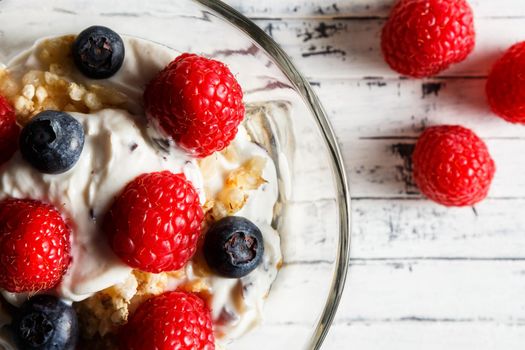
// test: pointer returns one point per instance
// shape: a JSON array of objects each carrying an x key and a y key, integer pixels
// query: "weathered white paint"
[
  {"x": 406, "y": 335},
  {"x": 422, "y": 275},
  {"x": 430, "y": 102},
  {"x": 357, "y": 8},
  {"x": 415, "y": 228},
  {"x": 395, "y": 291},
  {"x": 350, "y": 48}
]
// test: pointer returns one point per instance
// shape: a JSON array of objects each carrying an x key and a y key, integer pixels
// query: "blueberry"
[
  {"x": 45, "y": 323},
  {"x": 98, "y": 52},
  {"x": 52, "y": 142},
  {"x": 233, "y": 247}
]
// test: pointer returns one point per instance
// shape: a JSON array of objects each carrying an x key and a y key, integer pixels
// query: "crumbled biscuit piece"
[
  {"x": 76, "y": 92},
  {"x": 8, "y": 86},
  {"x": 53, "y": 87},
  {"x": 102, "y": 313},
  {"x": 28, "y": 91},
  {"x": 56, "y": 52},
  {"x": 105, "y": 311},
  {"x": 92, "y": 101},
  {"x": 237, "y": 185},
  {"x": 41, "y": 94},
  {"x": 23, "y": 105},
  {"x": 196, "y": 286},
  {"x": 150, "y": 283}
]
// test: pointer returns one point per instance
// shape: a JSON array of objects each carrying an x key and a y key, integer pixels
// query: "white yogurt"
[
  {"x": 118, "y": 148},
  {"x": 115, "y": 152},
  {"x": 241, "y": 300}
]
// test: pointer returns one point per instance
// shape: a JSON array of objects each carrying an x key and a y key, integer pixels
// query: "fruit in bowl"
[{"x": 131, "y": 194}]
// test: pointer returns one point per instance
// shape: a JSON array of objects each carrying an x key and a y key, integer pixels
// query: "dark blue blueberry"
[
  {"x": 233, "y": 247},
  {"x": 98, "y": 52},
  {"x": 52, "y": 142},
  {"x": 45, "y": 323}
]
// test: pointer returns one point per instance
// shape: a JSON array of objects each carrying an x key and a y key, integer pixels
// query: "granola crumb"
[
  {"x": 53, "y": 87},
  {"x": 234, "y": 195},
  {"x": 105, "y": 311}
]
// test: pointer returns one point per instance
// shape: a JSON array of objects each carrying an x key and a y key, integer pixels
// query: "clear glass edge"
[{"x": 343, "y": 193}]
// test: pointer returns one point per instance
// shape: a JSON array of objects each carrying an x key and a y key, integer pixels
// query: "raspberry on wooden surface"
[
  {"x": 424, "y": 37},
  {"x": 452, "y": 166},
  {"x": 506, "y": 85}
]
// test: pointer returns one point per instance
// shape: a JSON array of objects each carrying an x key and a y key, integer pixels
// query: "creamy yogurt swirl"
[
  {"x": 119, "y": 146},
  {"x": 115, "y": 152}
]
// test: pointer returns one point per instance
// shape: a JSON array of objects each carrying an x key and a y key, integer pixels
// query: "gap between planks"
[{"x": 358, "y": 9}]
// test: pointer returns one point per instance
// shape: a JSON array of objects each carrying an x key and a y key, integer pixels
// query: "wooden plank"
[
  {"x": 351, "y": 49},
  {"x": 389, "y": 335},
  {"x": 383, "y": 229},
  {"x": 357, "y": 8},
  {"x": 469, "y": 291},
  {"x": 403, "y": 108},
  {"x": 415, "y": 228},
  {"x": 431, "y": 336},
  {"x": 401, "y": 290},
  {"x": 382, "y": 168}
]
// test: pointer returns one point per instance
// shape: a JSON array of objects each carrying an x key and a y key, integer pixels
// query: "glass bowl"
[{"x": 313, "y": 211}]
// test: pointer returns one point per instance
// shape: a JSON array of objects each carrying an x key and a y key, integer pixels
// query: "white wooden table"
[{"x": 421, "y": 275}]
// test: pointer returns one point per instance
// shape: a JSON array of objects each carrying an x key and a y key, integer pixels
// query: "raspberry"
[
  {"x": 155, "y": 223},
  {"x": 423, "y": 37},
  {"x": 506, "y": 85},
  {"x": 9, "y": 131},
  {"x": 197, "y": 102},
  {"x": 173, "y": 320},
  {"x": 452, "y": 165},
  {"x": 34, "y": 246}
]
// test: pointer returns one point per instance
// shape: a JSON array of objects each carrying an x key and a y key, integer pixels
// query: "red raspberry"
[
  {"x": 155, "y": 223},
  {"x": 173, "y": 320},
  {"x": 34, "y": 246},
  {"x": 9, "y": 131},
  {"x": 506, "y": 85},
  {"x": 423, "y": 37},
  {"x": 198, "y": 102},
  {"x": 452, "y": 165}
]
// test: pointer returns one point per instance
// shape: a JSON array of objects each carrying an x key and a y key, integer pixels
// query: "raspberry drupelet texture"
[
  {"x": 197, "y": 102},
  {"x": 423, "y": 37},
  {"x": 9, "y": 131},
  {"x": 34, "y": 246},
  {"x": 155, "y": 223},
  {"x": 173, "y": 320},
  {"x": 452, "y": 166},
  {"x": 506, "y": 85}
]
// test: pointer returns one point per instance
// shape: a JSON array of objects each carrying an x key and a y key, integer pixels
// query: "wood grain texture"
[
  {"x": 357, "y": 8},
  {"x": 421, "y": 275},
  {"x": 382, "y": 168},
  {"x": 427, "y": 290},
  {"x": 408, "y": 335},
  {"x": 350, "y": 48}
]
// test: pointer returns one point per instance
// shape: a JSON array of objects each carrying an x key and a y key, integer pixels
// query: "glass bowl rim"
[{"x": 298, "y": 81}]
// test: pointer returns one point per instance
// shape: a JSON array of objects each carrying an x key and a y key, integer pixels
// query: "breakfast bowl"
[{"x": 283, "y": 117}]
